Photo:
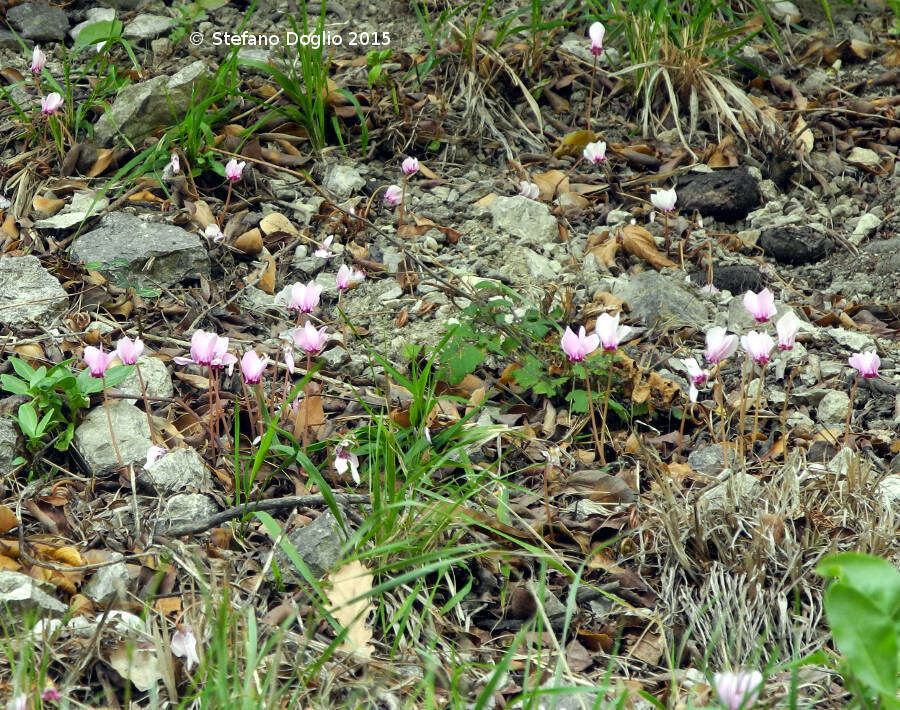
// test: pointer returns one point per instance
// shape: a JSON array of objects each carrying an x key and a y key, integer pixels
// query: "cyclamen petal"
[
  {"x": 760, "y": 305},
  {"x": 578, "y": 347},
  {"x": 719, "y": 346},
  {"x": 610, "y": 332},
  {"x": 865, "y": 363},
  {"x": 664, "y": 200},
  {"x": 393, "y": 195},
  {"x": 738, "y": 691},
  {"x": 596, "y": 32}
]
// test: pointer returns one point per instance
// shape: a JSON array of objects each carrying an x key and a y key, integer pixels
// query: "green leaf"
[
  {"x": 24, "y": 370},
  {"x": 36, "y": 378},
  {"x": 578, "y": 400},
  {"x": 44, "y": 423},
  {"x": 874, "y": 577},
  {"x": 89, "y": 384},
  {"x": 116, "y": 375},
  {"x": 464, "y": 363},
  {"x": 13, "y": 384},
  {"x": 65, "y": 438},
  {"x": 28, "y": 420},
  {"x": 97, "y": 32},
  {"x": 866, "y": 637}
]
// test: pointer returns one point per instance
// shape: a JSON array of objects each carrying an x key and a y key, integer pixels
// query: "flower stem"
[
  {"x": 762, "y": 380},
  {"x": 209, "y": 414},
  {"x": 402, "y": 203},
  {"x": 225, "y": 208},
  {"x": 146, "y": 401},
  {"x": 591, "y": 94},
  {"x": 605, "y": 410},
  {"x": 850, "y": 410},
  {"x": 784, "y": 431},
  {"x": 112, "y": 434},
  {"x": 253, "y": 432}
]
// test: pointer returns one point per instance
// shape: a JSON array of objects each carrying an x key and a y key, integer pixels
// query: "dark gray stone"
[
  {"x": 9, "y": 437},
  {"x": 795, "y": 245},
  {"x": 93, "y": 441},
  {"x": 727, "y": 195},
  {"x": 737, "y": 278},
  {"x": 28, "y": 292},
  {"x": 123, "y": 243},
  {"x": 8, "y": 41},
  {"x": 318, "y": 545},
  {"x": 39, "y": 21}
]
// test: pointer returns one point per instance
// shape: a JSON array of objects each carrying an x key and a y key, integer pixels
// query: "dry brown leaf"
[
  {"x": 249, "y": 242},
  {"x": 198, "y": 381},
  {"x": 638, "y": 241},
  {"x": 267, "y": 281},
  {"x": 803, "y": 136},
  {"x": 486, "y": 200},
  {"x": 140, "y": 666},
  {"x": 891, "y": 58},
  {"x": 310, "y": 414},
  {"x": 201, "y": 214},
  {"x": 102, "y": 162},
  {"x": 144, "y": 196},
  {"x": 9, "y": 227},
  {"x": 551, "y": 183},
  {"x": 8, "y": 563},
  {"x": 47, "y": 206},
  {"x": 353, "y": 580}
]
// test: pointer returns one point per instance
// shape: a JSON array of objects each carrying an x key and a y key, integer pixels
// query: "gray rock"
[
  {"x": 28, "y": 293},
  {"x": 187, "y": 507},
  {"x": 20, "y": 594},
  {"x": 122, "y": 4},
  {"x": 335, "y": 357},
  {"x": 795, "y": 245},
  {"x": 393, "y": 293},
  {"x": 147, "y": 26},
  {"x": 343, "y": 180},
  {"x": 851, "y": 339},
  {"x": 710, "y": 459},
  {"x": 524, "y": 218},
  {"x": 156, "y": 378},
  {"x": 9, "y": 438},
  {"x": 833, "y": 407},
  {"x": 140, "y": 108},
  {"x": 317, "y": 544},
  {"x": 93, "y": 15},
  {"x": 887, "y": 254},
  {"x": 657, "y": 299},
  {"x": 108, "y": 581},
  {"x": 178, "y": 470},
  {"x": 132, "y": 434},
  {"x": 123, "y": 243},
  {"x": 539, "y": 265},
  {"x": 8, "y": 41},
  {"x": 727, "y": 195},
  {"x": 737, "y": 488},
  {"x": 39, "y": 21},
  {"x": 83, "y": 204},
  {"x": 736, "y": 278}
]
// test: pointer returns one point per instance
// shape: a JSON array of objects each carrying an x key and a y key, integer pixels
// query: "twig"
[{"x": 197, "y": 526}]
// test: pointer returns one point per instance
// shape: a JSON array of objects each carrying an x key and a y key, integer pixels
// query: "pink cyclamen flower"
[
  {"x": 154, "y": 454},
  {"x": 175, "y": 162},
  {"x": 760, "y": 305},
  {"x": 305, "y": 298},
  {"x": 610, "y": 332},
  {"x": 213, "y": 233},
  {"x": 410, "y": 166},
  {"x": 344, "y": 274},
  {"x": 203, "y": 349},
  {"x": 309, "y": 339},
  {"x": 738, "y": 691},
  {"x": 758, "y": 346},
  {"x": 51, "y": 103},
  {"x": 866, "y": 364},
  {"x": 324, "y": 250},
  {"x": 38, "y": 60},
  {"x": 697, "y": 375},
  {"x": 234, "y": 169},
  {"x": 578, "y": 347},
  {"x": 718, "y": 345},
  {"x": 529, "y": 190},
  {"x": 393, "y": 195},
  {"x": 664, "y": 200},
  {"x": 289, "y": 358},
  {"x": 184, "y": 645},
  {"x": 787, "y": 327},
  {"x": 97, "y": 360},
  {"x": 596, "y": 32},
  {"x": 595, "y": 152},
  {"x": 252, "y": 367},
  {"x": 221, "y": 356},
  {"x": 51, "y": 694},
  {"x": 129, "y": 350},
  {"x": 344, "y": 459},
  {"x": 357, "y": 276}
]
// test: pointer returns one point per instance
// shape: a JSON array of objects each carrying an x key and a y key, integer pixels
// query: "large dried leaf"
[
  {"x": 249, "y": 242},
  {"x": 574, "y": 143},
  {"x": 140, "y": 666},
  {"x": 638, "y": 241},
  {"x": 349, "y": 582},
  {"x": 276, "y": 222}
]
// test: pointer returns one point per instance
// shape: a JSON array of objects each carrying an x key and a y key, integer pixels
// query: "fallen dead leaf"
[
  {"x": 249, "y": 242},
  {"x": 277, "y": 222},
  {"x": 140, "y": 666},
  {"x": 638, "y": 241},
  {"x": 47, "y": 206},
  {"x": 350, "y": 607},
  {"x": 574, "y": 143}
]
